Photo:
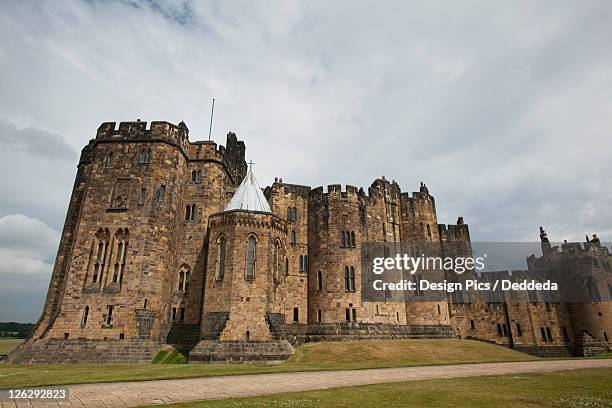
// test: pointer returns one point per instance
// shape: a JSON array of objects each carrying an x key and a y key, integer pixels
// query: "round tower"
[{"x": 245, "y": 264}]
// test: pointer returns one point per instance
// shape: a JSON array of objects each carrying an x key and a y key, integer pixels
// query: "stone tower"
[{"x": 245, "y": 267}]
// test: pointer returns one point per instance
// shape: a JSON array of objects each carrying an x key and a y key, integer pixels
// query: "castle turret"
[
  {"x": 544, "y": 242},
  {"x": 246, "y": 263}
]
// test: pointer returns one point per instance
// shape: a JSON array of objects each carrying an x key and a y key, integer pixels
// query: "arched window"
[
  {"x": 293, "y": 237},
  {"x": 120, "y": 255},
  {"x": 353, "y": 239},
  {"x": 301, "y": 265},
  {"x": 118, "y": 259},
  {"x": 347, "y": 278},
  {"x": 184, "y": 276},
  {"x": 319, "y": 281},
  {"x": 100, "y": 259},
  {"x": 190, "y": 212},
  {"x": 222, "y": 243},
  {"x": 276, "y": 260},
  {"x": 343, "y": 239},
  {"x": 306, "y": 263},
  {"x": 99, "y": 255},
  {"x": 251, "y": 257},
  {"x": 352, "y": 279}
]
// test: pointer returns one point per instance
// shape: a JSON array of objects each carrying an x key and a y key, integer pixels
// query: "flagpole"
[{"x": 212, "y": 111}]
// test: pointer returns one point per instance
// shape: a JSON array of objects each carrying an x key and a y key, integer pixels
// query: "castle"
[{"x": 169, "y": 241}]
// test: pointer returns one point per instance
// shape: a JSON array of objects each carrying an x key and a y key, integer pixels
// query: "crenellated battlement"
[
  {"x": 337, "y": 190},
  {"x": 454, "y": 232},
  {"x": 255, "y": 277},
  {"x": 232, "y": 155}
]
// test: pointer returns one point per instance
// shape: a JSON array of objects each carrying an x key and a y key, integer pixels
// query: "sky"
[{"x": 504, "y": 110}]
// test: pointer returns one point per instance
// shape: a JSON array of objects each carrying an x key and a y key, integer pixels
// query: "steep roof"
[{"x": 249, "y": 196}]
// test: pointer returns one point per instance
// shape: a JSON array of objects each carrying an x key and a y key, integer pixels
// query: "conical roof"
[{"x": 249, "y": 196}]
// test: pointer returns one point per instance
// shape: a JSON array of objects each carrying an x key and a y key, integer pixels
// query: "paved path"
[{"x": 131, "y": 394}]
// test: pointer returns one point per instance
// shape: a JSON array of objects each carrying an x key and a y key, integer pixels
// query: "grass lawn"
[
  {"x": 590, "y": 388},
  {"x": 7, "y": 344},
  {"x": 309, "y": 357}
]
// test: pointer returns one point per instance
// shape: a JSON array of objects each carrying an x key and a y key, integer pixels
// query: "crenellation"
[{"x": 151, "y": 253}]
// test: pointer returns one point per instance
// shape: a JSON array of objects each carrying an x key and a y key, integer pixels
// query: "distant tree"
[{"x": 23, "y": 330}]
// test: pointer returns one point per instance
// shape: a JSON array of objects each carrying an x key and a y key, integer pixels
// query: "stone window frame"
[
  {"x": 276, "y": 260},
  {"x": 108, "y": 318},
  {"x": 119, "y": 252},
  {"x": 146, "y": 155},
  {"x": 190, "y": 212},
  {"x": 85, "y": 316},
  {"x": 291, "y": 215},
  {"x": 221, "y": 242},
  {"x": 184, "y": 278},
  {"x": 109, "y": 158},
  {"x": 99, "y": 256},
  {"x": 196, "y": 176},
  {"x": 161, "y": 194},
  {"x": 251, "y": 237},
  {"x": 319, "y": 281},
  {"x": 349, "y": 278},
  {"x": 296, "y": 315}
]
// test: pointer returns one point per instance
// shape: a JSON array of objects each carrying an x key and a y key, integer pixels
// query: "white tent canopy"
[{"x": 249, "y": 196}]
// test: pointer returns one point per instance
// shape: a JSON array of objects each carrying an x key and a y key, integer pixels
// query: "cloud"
[
  {"x": 39, "y": 169},
  {"x": 27, "y": 252},
  {"x": 35, "y": 142},
  {"x": 504, "y": 111},
  {"x": 29, "y": 237}
]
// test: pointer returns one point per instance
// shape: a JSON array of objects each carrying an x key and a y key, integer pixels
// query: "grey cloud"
[
  {"x": 35, "y": 141},
  {"x": 27, "y": 250},
  {"x": 503, "y": 110}
]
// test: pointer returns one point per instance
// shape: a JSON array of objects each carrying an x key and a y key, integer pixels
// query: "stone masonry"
[{"x": 150, "y": 255}]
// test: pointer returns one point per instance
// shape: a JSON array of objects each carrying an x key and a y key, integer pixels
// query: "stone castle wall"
[{"x": 139, "y": 258}]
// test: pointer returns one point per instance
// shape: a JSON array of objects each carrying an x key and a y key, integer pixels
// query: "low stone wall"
[
  {"x": 84, "y": 351},
  {"x": 551, "y": 351},
  {"x": 364, "y": 331},
  {"x": 211, "y": 351}
]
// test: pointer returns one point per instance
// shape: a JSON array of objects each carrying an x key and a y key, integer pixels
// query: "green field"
[
  {"x": 591, "y": 388},
  {"x": 7, "y": 344},
  {"x": 309, "y": 357}
]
